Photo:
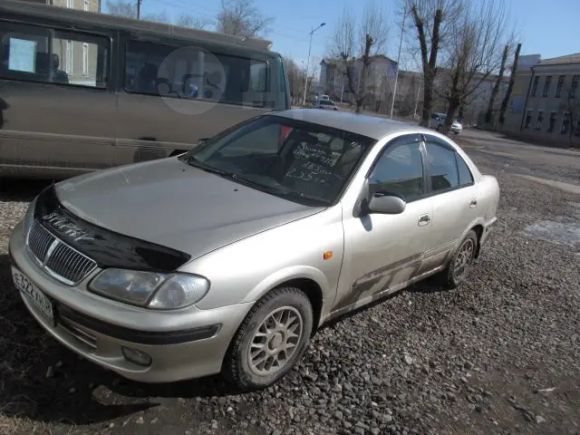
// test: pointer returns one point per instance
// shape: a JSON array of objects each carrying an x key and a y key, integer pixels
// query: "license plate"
[{"x": 32, "y": 293}]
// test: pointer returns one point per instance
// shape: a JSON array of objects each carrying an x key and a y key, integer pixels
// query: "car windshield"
[{"x": 297, "y": 160}]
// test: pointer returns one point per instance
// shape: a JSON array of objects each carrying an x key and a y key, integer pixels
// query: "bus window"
[
  {"x": 24, "y": 52},
  {"x": 79, "y": 59},
  {"x": 189, "y": 72},
  {"x": 30, "y": 53}
]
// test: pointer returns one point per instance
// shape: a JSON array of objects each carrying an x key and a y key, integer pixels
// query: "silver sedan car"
[{"x": 227, "y": 259}]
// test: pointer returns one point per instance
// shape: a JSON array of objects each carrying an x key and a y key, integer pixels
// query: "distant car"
[
  {"x": 326, "y": 105},
  {"x": 229, "y": 257},
  {"x": 438, "y": 119}
]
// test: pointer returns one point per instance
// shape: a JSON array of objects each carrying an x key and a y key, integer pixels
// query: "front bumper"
[{"x": 182, "y": 344}]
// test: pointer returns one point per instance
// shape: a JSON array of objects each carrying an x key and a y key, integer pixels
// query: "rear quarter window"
[{"x": 465, "y": 176}]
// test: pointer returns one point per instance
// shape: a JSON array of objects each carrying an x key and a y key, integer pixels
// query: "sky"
[{"x": 547, "y": 27}]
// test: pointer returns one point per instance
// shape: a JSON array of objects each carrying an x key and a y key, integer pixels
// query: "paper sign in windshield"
[{"x": 22, "y": 55}]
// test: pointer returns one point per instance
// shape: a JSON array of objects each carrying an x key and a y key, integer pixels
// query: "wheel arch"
[
  {"x": 310, "y": 280},
  {"x": 314, "y": 294}
]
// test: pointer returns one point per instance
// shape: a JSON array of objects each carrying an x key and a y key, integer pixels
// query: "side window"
[
  {"x": 442, "y": 167},
  {"x": 79, "y": 59},
  {"x": 29, "y": 53},
  {"x": 465, "y": 177},
  {"x": 193, "y": 73},
  {"x": 399, "y": 171},
  {"x": 24, "y": 53}
]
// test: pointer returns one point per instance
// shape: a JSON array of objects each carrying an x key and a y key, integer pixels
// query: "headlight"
[
  {"x": 178, "y": 291},
  {"x": 130, "y": 286},
  {"x": 157, "y": 290}
]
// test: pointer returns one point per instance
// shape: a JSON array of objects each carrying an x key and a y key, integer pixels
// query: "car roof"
[{"x": 371, "y": 126}]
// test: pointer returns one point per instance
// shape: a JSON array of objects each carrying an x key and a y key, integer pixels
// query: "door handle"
[
  {"x": 473, "y": 203},
  {"x": 424, "y": 220}
]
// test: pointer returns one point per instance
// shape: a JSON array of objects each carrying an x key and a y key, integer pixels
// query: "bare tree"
[
  {"x": 473, "y": 52},
  {"x": 157, "y": 17},
  {"x": 186, "y": 20},
  {"x": 356, "y": 57},
  {"x": 508, "y": 93},
  {"x": 241, "y": 18},
  {"x": 296, "y": 80},
  {"x": 496, "y": 86},
  {"x": 430, "y": 20},
  {"x": 122, "y": 8}
]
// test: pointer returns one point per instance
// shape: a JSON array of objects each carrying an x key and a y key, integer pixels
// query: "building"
[
  {"x": 409, "y": 101},
  {"x": 76, "y": 61},
  {"x": 379, "y": 82},
  {"x": 545, "y": 103}
]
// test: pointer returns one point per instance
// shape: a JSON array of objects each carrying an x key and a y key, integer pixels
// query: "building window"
[
  {"x": 565, "y": 123},
  {"x": 85, "y": 59},
  {"x": 552, "y": 123},
  {"x": 86, "y": 5},
  {"x": 539, "y": 120},
  {"x": 70, "y": 4},
  {"x": 574, "y": 86},
  {"x": 560, "y": 85},
  {"x": 535, "y": 86},
  {"x": 528, "y": 119},
  {"x": 547, "y": 83}
]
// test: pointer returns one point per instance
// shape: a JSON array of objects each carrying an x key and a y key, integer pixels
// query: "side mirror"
[{"x": 386, "y": 204}]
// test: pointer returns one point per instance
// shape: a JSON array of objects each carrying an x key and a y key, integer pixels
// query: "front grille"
[
  {"x": 39, "y": 240},
  {"x": 59, "y": 259}
]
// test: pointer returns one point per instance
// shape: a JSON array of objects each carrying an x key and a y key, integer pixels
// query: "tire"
[
  {"x": 251, "y": 359},
  {"x": 453, "y": 276}
]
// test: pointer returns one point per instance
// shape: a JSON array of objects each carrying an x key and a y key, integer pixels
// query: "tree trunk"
[
  {"x": 428, "y": 60},
  {"x": 427, "y": 101},
  {"x": 510, "y": 86},
  {"x": 361, "y": 91},
  {"x": 495, "y": 90}
]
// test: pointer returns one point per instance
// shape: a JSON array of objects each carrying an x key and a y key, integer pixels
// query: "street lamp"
[
  {"x": 308, "y": 63},
  {"x": 398, "y": 62}
]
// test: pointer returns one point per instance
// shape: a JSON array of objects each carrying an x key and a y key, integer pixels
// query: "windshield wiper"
[
  {"x": 287, "y": 194},
  {"x": 191, "y": 160}
]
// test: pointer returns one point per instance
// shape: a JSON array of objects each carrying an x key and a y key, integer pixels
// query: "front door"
[{"x": 383, "y": 251}]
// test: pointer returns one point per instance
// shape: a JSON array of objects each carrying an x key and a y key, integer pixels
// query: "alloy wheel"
[
  {"x": 275, "y": 341},
  {"x": 463, "y": 259}
]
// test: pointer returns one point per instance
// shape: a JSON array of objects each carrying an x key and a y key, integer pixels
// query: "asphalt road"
[{"x": 499, "y": 355}]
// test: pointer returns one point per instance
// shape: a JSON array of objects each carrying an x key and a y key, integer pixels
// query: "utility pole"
[
  {"x": 139, "y": 9},
  {"x": 308, "y": 62},
  {"x": 398, "y": 60}
]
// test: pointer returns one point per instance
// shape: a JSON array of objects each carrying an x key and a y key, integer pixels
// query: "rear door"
[
  {"x": 56, "y": 99},
  {"x": 453, "y": 197}
]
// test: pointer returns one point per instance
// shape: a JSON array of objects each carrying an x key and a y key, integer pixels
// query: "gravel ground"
[{"x": 499, "y": 355}]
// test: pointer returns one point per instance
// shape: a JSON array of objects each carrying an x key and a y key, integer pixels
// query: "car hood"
[{"x": 170, "y": 203}]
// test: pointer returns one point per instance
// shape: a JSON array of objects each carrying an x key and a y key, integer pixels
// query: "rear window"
[
  {"x": 38, "y": 54},
  {"x": 197, "y": 74}
]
